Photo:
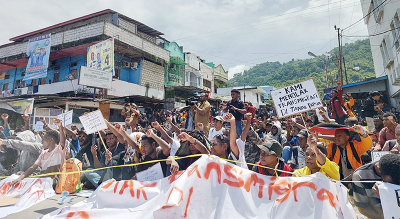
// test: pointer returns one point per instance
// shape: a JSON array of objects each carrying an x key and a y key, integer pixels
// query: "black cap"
[
  {"x": 375, "y": 93},
  {"x": 302, "y": 134}
]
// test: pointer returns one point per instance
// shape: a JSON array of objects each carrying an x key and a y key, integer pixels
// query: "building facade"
[
  {"x": 248, "y": 93},
  {"x": 220, "y": 77},
  {"x": 139, "y": 63},
  {"x": 381, "y": 16}
]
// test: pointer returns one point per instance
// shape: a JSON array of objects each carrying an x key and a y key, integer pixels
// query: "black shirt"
[
  {"x": 159, "y": 156},
  {"x": 238, "y": 104},
  {"x": 120, "y": 147},
  {"x": 85, "y": 151}
]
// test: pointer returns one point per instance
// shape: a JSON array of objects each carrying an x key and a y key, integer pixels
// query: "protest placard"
[
  {"x": 66, "y": 118},
  {"x": 22, "y": 106},
  {"x": 390, "y": 199},
  {"x": 376, "y": 155},
  {"x": 9, "y": 200},
  {"x": 153, "y": 173},
  {"x": 296, "y": 98},
  {"x": 93, "y": 122},
  {"x": 39, "y": 126}
]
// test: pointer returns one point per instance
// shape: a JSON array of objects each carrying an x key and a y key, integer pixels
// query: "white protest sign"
[
  {"x": 95, "y": 78},
  {"x": 66, "y": 118},
  {"x": 296, "y": 98},
  {"x": 93, "y": 122},
  {"x": 39, "y": 126},
  {"x": 29, "y": 191},
  {"x": 390, "y": 200},
  {"x": 210, "y": 182},
  {"x": 152, "y": 174},
  {"x": 376, "y": 155}
]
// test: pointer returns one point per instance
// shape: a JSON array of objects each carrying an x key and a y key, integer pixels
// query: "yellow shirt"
[{"x": 330, "y": 169}]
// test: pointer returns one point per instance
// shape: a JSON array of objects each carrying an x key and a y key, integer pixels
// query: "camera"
[{"x": 192, "y": 101}]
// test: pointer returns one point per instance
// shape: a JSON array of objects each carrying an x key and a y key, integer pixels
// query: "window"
[
  {"x": 42, "y": 81},
  {"x": 34, "y": 82},
  {"x": 73, "y": 74},
  {"x": 7, "y": 76},
  {"x": 5, "y": 86},
  {"x": 56, "y": 77},
  {"x": 19, "y": 83},
  {"x": 117, "y": 73}
]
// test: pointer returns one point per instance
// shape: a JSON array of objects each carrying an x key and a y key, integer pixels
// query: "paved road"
[{"x": 44, "y": 207}]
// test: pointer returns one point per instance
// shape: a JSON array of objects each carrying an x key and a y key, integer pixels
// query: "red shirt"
[
  {"x": 252, "y": 110},
  {"x": 336, "y": 105}
]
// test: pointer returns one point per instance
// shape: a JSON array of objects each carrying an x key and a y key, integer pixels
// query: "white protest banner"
[
  {"x": 93, "y": 122},
  {"x": 390, "y": 200},
  {"x": 30, "y": 191},
  {"x": 66, "y": 118},
  {"x": 39, "y": 126},
  {"x": 296, "y": 98},
  {"x": 152, "y": 174},
  {"x": 214, "y": 188},
  {"x": 376, "y": 155}
]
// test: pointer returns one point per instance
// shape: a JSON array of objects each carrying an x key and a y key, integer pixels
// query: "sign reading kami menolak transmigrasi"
[{"x": 296, "y": 98}]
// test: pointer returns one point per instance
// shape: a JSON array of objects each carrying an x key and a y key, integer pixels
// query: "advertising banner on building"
[
  {"x": 101, "y": 56},
  {"x": 39, "y": 53},
  {"x": 214, "y": 188},
  {"x": 22, "y": 106}
]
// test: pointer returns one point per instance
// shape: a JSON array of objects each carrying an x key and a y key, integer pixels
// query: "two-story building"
[
  {"x": 383, "y": 22},
  {"x": 220, "y": 77},
  {"x": 139, "y": 64}
]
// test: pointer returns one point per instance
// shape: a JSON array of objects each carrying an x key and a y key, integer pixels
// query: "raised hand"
[
  {"x": 229, "y": 118},
  {"x": 184, "y": 137},
  {"x": 155, "y": 125},
  {"x": 359, "y": 129},
  {"x": 108, "y": 156},
  {"x": 58, "y": 122},
  {"x": 248, "y": 116},
  {"x": 150, "y": 133},
  {"x": 25, "y": 117},
  {"x": 93, "y": 149},
  {"x": 4, "y": 116}
]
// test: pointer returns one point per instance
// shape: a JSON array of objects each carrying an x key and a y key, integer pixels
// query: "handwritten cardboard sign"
[
  {"x": 9, "y": 200},
  {"x": 39, "y": 126},
  {"x": 296, "y": 98},
  {"x": 66, "y": 118},
  {"x": 376, "y": 155},
  {"x": 93, "y": 122},
  {"x": 390, "y": 199},
  {"x": 152, "y": 174}
]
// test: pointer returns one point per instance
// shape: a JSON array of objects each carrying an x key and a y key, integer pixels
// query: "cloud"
[
  {"x": 228, "y": 32},
  {"x": 237, "y": 69}
]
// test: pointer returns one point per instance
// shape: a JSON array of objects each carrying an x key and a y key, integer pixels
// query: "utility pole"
[
  {"x": 340, "y": 56},
  {"x": 244, "y": 92}
]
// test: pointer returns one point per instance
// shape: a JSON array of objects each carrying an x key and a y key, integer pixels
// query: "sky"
[{"x": 238, "y": 34}]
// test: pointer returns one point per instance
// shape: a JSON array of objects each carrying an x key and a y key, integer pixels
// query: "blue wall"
[{"x": 65, "y": 68}]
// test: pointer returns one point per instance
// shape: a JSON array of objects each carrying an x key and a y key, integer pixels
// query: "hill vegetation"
[{"x": 358, "y": 61}]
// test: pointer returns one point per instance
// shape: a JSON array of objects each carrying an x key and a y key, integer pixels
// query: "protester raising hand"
[
  {"x": 229, "y": 118},
  {"x": 174, "y": 167},
  {"x": 150, "y": 133},
  {"x": 312, "y": 143},
  {"x": 58, "y": 123},
  {"x": 360, "y": 130},
  {"x": 4, "y": 117},
  {"x": 93, "y": 149},
  {"x": 248, "y": 116},
  {"x": 197, "y": 144},
  {"x": 155, "y": 125},
  {"x": 108, "y": 156}
]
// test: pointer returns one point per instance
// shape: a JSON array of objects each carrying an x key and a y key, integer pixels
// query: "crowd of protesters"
[{"x": 237, "y": 132}]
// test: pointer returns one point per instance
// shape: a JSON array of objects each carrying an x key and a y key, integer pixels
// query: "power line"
[
  {"x": 365, "y": 15},
  {"x": 372, "y": 35}
]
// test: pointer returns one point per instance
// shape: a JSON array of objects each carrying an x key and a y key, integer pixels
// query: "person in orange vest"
[
  {"x": 349, "y": 103},
  {"x": 347, "y": 153}
]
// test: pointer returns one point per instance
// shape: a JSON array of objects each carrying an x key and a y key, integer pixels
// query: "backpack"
[
  {"x": 353, "y": 149},
  {"x": 70, "y": 182}
]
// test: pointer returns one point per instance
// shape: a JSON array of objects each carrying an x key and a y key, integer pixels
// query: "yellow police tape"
[{"x": 155, "y": 161}]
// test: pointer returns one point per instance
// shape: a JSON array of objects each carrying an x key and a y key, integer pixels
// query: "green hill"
[{"x": 358, "y": 60}]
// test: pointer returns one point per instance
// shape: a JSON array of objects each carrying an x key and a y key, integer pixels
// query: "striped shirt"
[{"x": 364, "y": 197}]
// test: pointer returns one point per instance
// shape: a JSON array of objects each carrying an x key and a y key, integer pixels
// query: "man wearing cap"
[
  {"x": 371, "y": 108},
  {"x": 203, "y": 113},
  {"x": 270, "y": 157},
  {"x": 236, "y": 107},
  {"x": 217, "y": 129}
]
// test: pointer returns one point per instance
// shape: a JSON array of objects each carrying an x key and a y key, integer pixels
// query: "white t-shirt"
[
  {"x": 213, "y": 132},
  {"x": 51, "y": 158},
  {"x": 242, "y": 159}
]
